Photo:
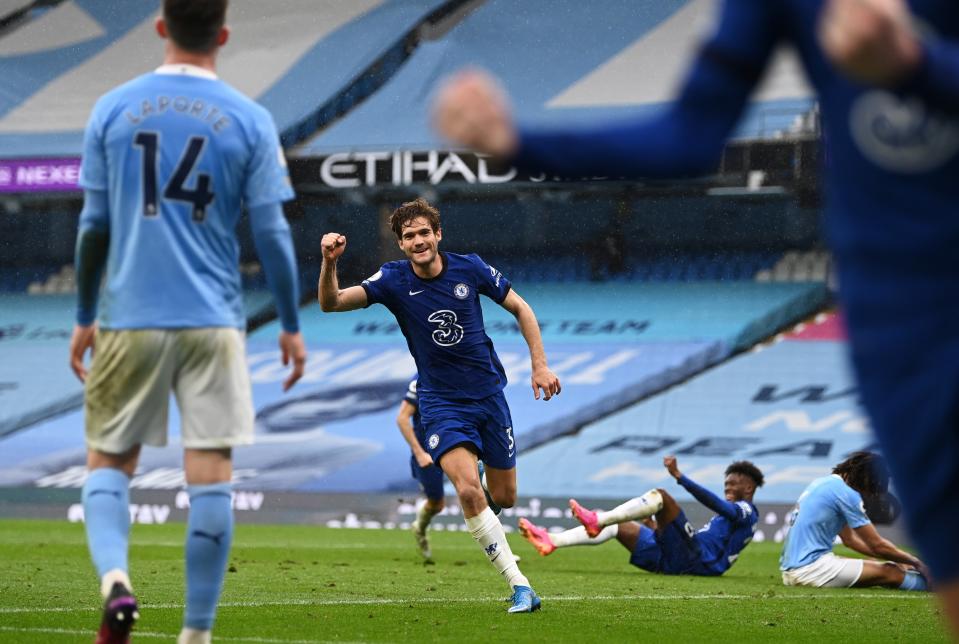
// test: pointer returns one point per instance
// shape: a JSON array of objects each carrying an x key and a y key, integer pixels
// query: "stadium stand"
[
  {"x": 9, "y": 8},
  {"x": 796, "y": 266},
  {"x": 611, "y": 343},
  {"x": 35, "y": 381},
  {"x": 696, "y": 279},
  {"x": 299, "y": 58},
  {"x": 674, "y": 267},
  {"x": 35, "y": 331},
  {"x": 791, "y": 407},
  {"x": 536, "y": 47}
]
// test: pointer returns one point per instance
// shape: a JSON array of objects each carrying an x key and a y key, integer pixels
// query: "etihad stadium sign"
[{"x": 349, "y": 170}]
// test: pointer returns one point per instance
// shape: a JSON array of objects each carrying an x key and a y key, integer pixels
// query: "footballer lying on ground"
[{"x": 665, "y": 542}]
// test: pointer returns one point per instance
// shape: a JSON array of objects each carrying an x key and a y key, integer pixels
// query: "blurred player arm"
[
  {"x": 875, "y": 42},
  {"x": 867, "y": 540},
  {"x": 542, "y": 379},
  {"x": 404, "y": 420},
  {"x": 331, "y": 297},
  {"x": 937, "y": 79},
  {"x": 722, "y": 507},
  {"x": 686, "y": 139},
  {"x": 274, "y": 246}
]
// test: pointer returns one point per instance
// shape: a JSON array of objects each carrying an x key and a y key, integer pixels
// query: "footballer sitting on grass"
[{"x": 836, "y": 505}]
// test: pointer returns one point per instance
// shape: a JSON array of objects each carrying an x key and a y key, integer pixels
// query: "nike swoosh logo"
[{"x": 415, "y": 292}]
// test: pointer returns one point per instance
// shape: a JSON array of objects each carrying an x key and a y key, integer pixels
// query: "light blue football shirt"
[
  {"x": 178, "y": 152},
  {"x": 826, "y": 507}
]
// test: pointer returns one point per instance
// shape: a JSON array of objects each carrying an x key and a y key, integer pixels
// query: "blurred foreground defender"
[{"x": 887, "y": 75}]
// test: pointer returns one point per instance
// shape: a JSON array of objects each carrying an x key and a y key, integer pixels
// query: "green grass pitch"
[{"x": 310, "y": 584}]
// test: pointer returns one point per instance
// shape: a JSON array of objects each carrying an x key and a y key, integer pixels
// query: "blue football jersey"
[
  {"x": 178, "y": 152},
  {"x": 826, "y": 507},
  {"x": 722, "y": 539},
  {"x": 442, "y": 321}
]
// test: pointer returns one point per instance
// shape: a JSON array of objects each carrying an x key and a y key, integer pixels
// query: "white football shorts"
[
  {"x": 829, "y": 571},
  {"x": 134, "y": 372}
]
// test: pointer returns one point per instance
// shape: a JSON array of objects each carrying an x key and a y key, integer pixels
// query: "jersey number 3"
[{"x": 199, "y": 197}]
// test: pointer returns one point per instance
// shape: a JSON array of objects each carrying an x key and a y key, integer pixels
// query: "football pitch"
[{"x": 310, "y": 584}]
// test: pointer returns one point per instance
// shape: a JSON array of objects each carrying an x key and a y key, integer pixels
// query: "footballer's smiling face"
[
  {"x": 738, "y": 487},
  {"x": 421, "y": 244}
]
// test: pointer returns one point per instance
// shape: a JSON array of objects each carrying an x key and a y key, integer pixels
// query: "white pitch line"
[
  {"x": 263, "y": 546},
  {"x": 381, "y": 601},
  {"x": 71, "y": 631},
  {"x": 166, "y": 636}
]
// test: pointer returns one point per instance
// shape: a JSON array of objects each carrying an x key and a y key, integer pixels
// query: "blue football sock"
[
  {"x": 106, "y": 513},
  {"x": 209, "y": 535},
  {"x": 913, "y": 581}
]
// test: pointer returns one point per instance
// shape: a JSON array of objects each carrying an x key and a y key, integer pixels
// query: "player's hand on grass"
[
  {"x": 669, "y": 462},
  {"x": 423, "y": 459},
  {"x": 292, "y": 350},
  {"x": 870, "y": 41},
  {"x": 84, "y": 337},
  {"x": 471, "y": 109},
  {"x": 546, "y": 380},
  {"x": 332, "y": 245}
]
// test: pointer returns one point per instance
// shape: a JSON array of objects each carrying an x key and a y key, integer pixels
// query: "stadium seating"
[
  {"x": 616, "y": 333},
  {"x": 35, "y": 381},
  {"x": 612, "y": 344},
  {"x": 791, "y": 407},
  {"x": 675, "y": 267},
  {"x": 636, "y": 54},
  {"x": 10, "y": 7},
  {"x": 35, "y": 330},
  {"x": 812, "y": 266},
  {"x": 296, "y": 58}
]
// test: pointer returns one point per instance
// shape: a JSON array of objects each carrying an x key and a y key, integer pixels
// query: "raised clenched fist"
[
  {"x": 870, "y": 41},
  {"x": 471, "y": 109},
  {"x": 332, "y": 245}
]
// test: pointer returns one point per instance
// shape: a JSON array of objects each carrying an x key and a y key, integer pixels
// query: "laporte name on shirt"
[{"x": 193, "y": 107}]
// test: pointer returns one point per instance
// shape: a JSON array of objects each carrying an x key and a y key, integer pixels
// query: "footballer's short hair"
[
  {"x": 865, "y": 472},
  {"x": 411, "y": 210},
  {"x": 746, "y": 468},
  {"x": 194, "y": 25}
]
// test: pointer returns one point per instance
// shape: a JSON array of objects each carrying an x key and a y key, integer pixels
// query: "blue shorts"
[
  {"x": 671, "y": 551},
  {"x": 430, "y": 479},
  {"x": 485, "y": 424}
]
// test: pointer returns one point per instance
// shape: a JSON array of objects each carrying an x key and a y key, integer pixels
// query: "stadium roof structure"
[
  {"x": 561, "y": 61},
  {"x": 11, "y": 7},
  {"x": 294, "y": 57}
]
